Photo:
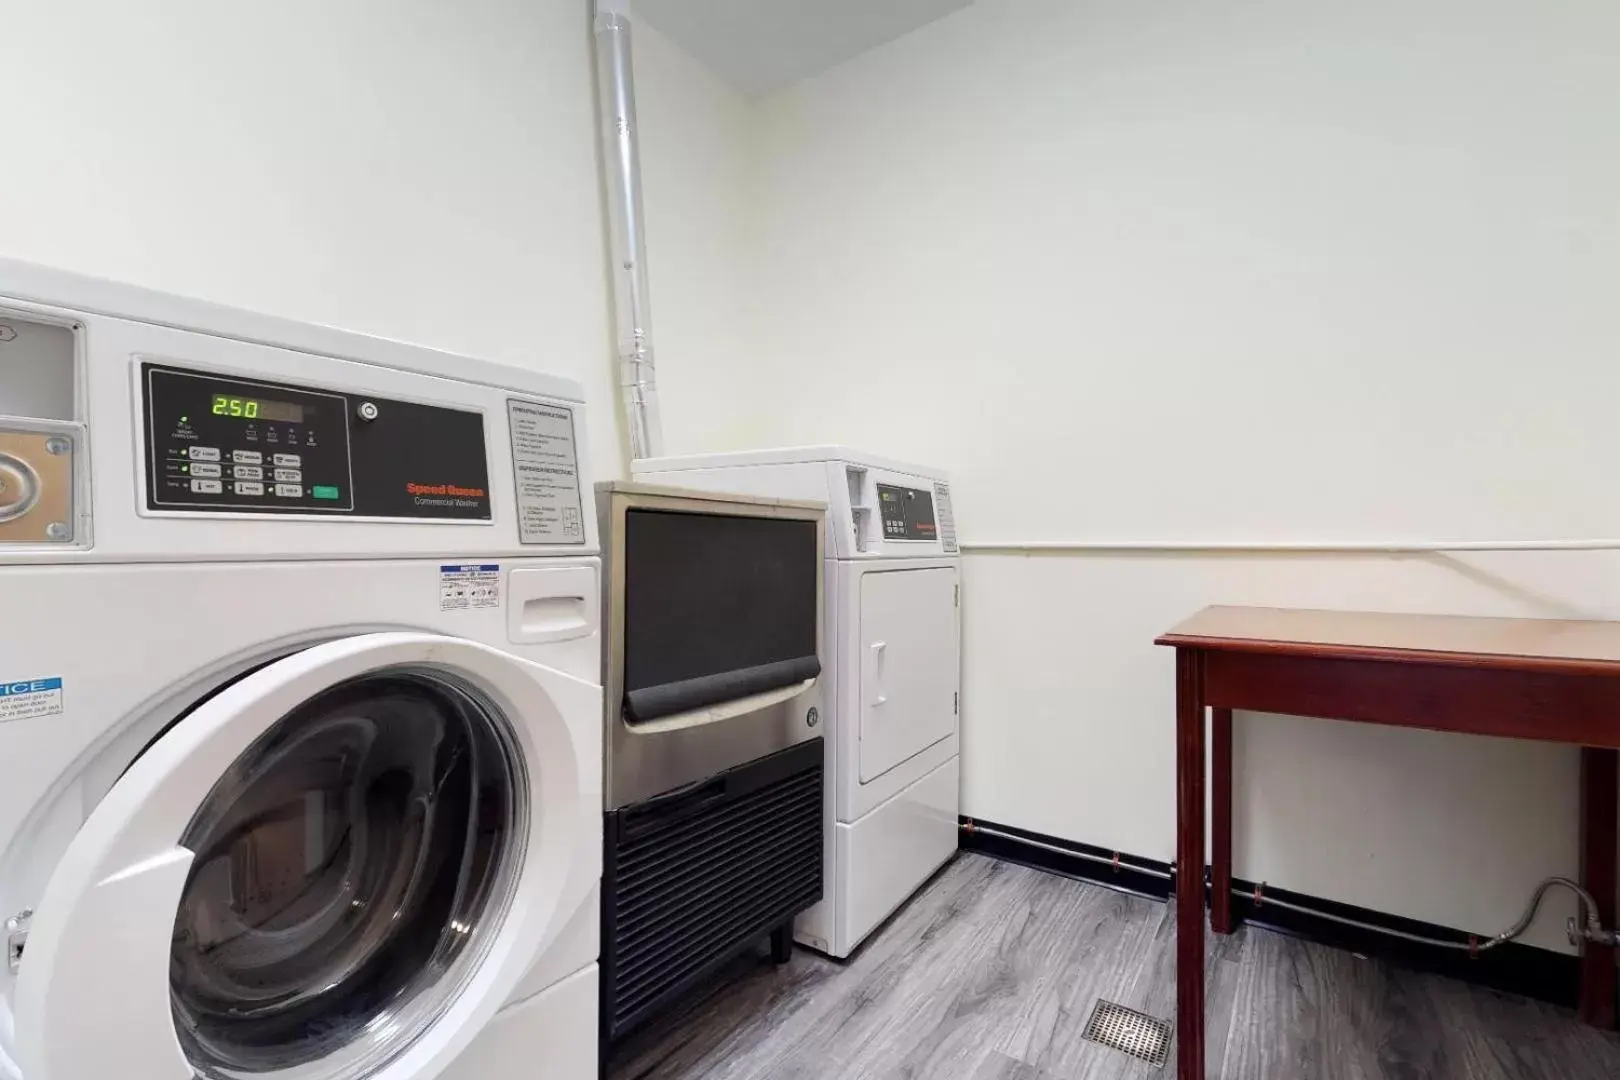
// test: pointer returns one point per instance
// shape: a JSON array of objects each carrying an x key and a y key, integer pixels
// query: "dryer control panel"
[
  {"x": 219, "y": 443},
  {"x": 907, "y": 513},
  {"x": 891, "y": 513}
]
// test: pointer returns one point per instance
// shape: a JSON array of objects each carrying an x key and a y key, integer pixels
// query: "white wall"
[
  {"x": 1274, "y": 270},
  {"x": 418, "y": 170},
  {"x": 1350, "y": 259},
  {"x": 698, "y": 154}
]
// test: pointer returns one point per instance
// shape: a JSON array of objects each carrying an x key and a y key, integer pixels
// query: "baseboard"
[
  {"x": 1073, "y": 865},
  {"x": 1512, "y": 968}
]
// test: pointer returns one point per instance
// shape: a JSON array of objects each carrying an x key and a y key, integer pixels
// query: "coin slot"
[
  {"x": 19, "y": 487},
  {"x": 36, "y": 482}
]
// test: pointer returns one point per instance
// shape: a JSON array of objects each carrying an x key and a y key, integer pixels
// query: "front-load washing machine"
[
  {"x": 300, "y": 714},
  {"x": 892, "y": 672}
]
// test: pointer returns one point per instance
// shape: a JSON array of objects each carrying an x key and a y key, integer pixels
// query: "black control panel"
[
  {"x": 217, "y": 443},
  {"x": 907, "y": 513}
]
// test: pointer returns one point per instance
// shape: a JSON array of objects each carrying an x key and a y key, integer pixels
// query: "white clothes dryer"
[
  {"x": 892, "y": 629},
  {"x": 300, "y": 714}
]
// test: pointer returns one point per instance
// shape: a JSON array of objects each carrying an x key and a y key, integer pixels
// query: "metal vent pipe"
[{"x": 621, "y": 166}]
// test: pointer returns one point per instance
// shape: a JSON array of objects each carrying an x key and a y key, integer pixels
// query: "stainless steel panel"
[{"x": 643, "y": 760}]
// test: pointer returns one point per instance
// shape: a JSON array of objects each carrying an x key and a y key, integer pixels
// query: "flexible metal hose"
[{"x": 1593, "y": 930}]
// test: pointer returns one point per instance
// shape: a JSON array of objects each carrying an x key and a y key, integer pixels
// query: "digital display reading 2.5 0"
[{"x": 258, "y": 409}]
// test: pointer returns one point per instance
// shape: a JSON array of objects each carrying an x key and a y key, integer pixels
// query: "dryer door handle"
[{"x": 877, "y": 648}]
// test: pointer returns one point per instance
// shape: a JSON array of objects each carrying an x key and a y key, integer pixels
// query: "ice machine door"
[
  {"x": 716, "y": 607},
  {"x": 909, "y": 664}
]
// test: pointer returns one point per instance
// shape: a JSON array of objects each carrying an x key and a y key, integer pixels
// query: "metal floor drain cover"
[{"x": 1131, "y": 1032}]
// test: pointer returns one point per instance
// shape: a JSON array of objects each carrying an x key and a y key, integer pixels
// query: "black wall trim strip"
[
  {"x": 1069, "y": 866},
  {"x": 1513, "y": 968}
]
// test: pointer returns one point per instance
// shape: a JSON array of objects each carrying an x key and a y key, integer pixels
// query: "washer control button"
[
  {"x": 288, "y": 461},
  {"x": 207, "y": 487},
  {"x": 203, "y": 453},
  {"x": 202, "y": 468},
  {"x": 246, "y": 457},
  {"x": 289, "y": 476},
  {"x": 249, "y": 487},
  {"x": 290, "y": 491}
]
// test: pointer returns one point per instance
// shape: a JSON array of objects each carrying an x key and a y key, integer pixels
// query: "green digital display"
[{"x": 258, "y": 409}]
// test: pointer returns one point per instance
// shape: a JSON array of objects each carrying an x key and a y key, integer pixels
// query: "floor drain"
[{"x": 1131, "y": 1032}]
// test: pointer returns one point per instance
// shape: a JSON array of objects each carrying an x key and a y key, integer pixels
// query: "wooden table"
[{"x": 1518, "y": 678}]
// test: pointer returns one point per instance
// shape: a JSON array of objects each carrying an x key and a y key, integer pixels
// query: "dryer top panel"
[
  {"x": 876, "y": 508},
  {"x": 784, "y": 455}
]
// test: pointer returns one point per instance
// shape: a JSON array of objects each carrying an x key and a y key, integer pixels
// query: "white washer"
[
  {"x": 300, "y": 779},
  {"x": 892, "y": 628}
]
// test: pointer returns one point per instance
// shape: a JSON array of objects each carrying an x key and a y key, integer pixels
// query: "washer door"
[{"x": 336, "y": 868}]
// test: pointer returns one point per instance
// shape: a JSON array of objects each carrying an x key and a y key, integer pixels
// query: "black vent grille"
[{"x": 693, "y": 877}]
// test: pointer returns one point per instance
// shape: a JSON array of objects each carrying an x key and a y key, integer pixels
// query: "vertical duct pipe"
[{"x": 621, "y": 161}]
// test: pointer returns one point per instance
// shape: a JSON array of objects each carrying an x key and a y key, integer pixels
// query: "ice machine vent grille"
[{"x": 686, "y": 891}]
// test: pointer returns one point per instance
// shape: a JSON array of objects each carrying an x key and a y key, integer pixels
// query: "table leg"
[
  {"x": 1220, "y": 808},
  {"x": 1190, "y": 766},
  {"x": 1600, "y": 778}
]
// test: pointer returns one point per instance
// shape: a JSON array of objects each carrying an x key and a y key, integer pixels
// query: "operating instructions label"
[
  {"x": 545, "y": 467},
  {"x": 24, "y": 699},
  {"x": 947, "y": 516}
]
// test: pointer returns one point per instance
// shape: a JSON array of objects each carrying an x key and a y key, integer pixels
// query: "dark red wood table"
[{"x": 1556, "y": 681}]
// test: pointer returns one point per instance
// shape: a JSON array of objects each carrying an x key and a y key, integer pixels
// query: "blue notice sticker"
[{"x": 23, "y": 699}]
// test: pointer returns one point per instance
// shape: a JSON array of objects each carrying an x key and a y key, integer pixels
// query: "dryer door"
[
  {"x": 908, "y": 639},
  {"x": 335, "y": 868}
]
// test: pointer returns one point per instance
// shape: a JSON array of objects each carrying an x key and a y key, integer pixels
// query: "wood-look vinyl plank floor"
[{"x": 992, "y": 970}]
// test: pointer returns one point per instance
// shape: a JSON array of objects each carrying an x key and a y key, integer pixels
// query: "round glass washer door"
[
  {"x": 345, "y": 867},
  {"x": 336, "y": 868}
]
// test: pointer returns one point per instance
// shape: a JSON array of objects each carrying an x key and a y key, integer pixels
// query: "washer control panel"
[{"x": 218, "y": 443}]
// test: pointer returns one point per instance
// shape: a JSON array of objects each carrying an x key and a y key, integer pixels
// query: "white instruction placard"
[
  {"x": 465, "y": 586},
  {"x": 24, "y": 699},
  {"x": 546, "y": 467},
  {"x": 946, "y": 515}
]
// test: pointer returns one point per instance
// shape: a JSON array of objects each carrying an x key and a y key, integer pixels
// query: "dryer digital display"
[
  {"x": 907, "y": 513},
  {"x": 218, "y": 443}
]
